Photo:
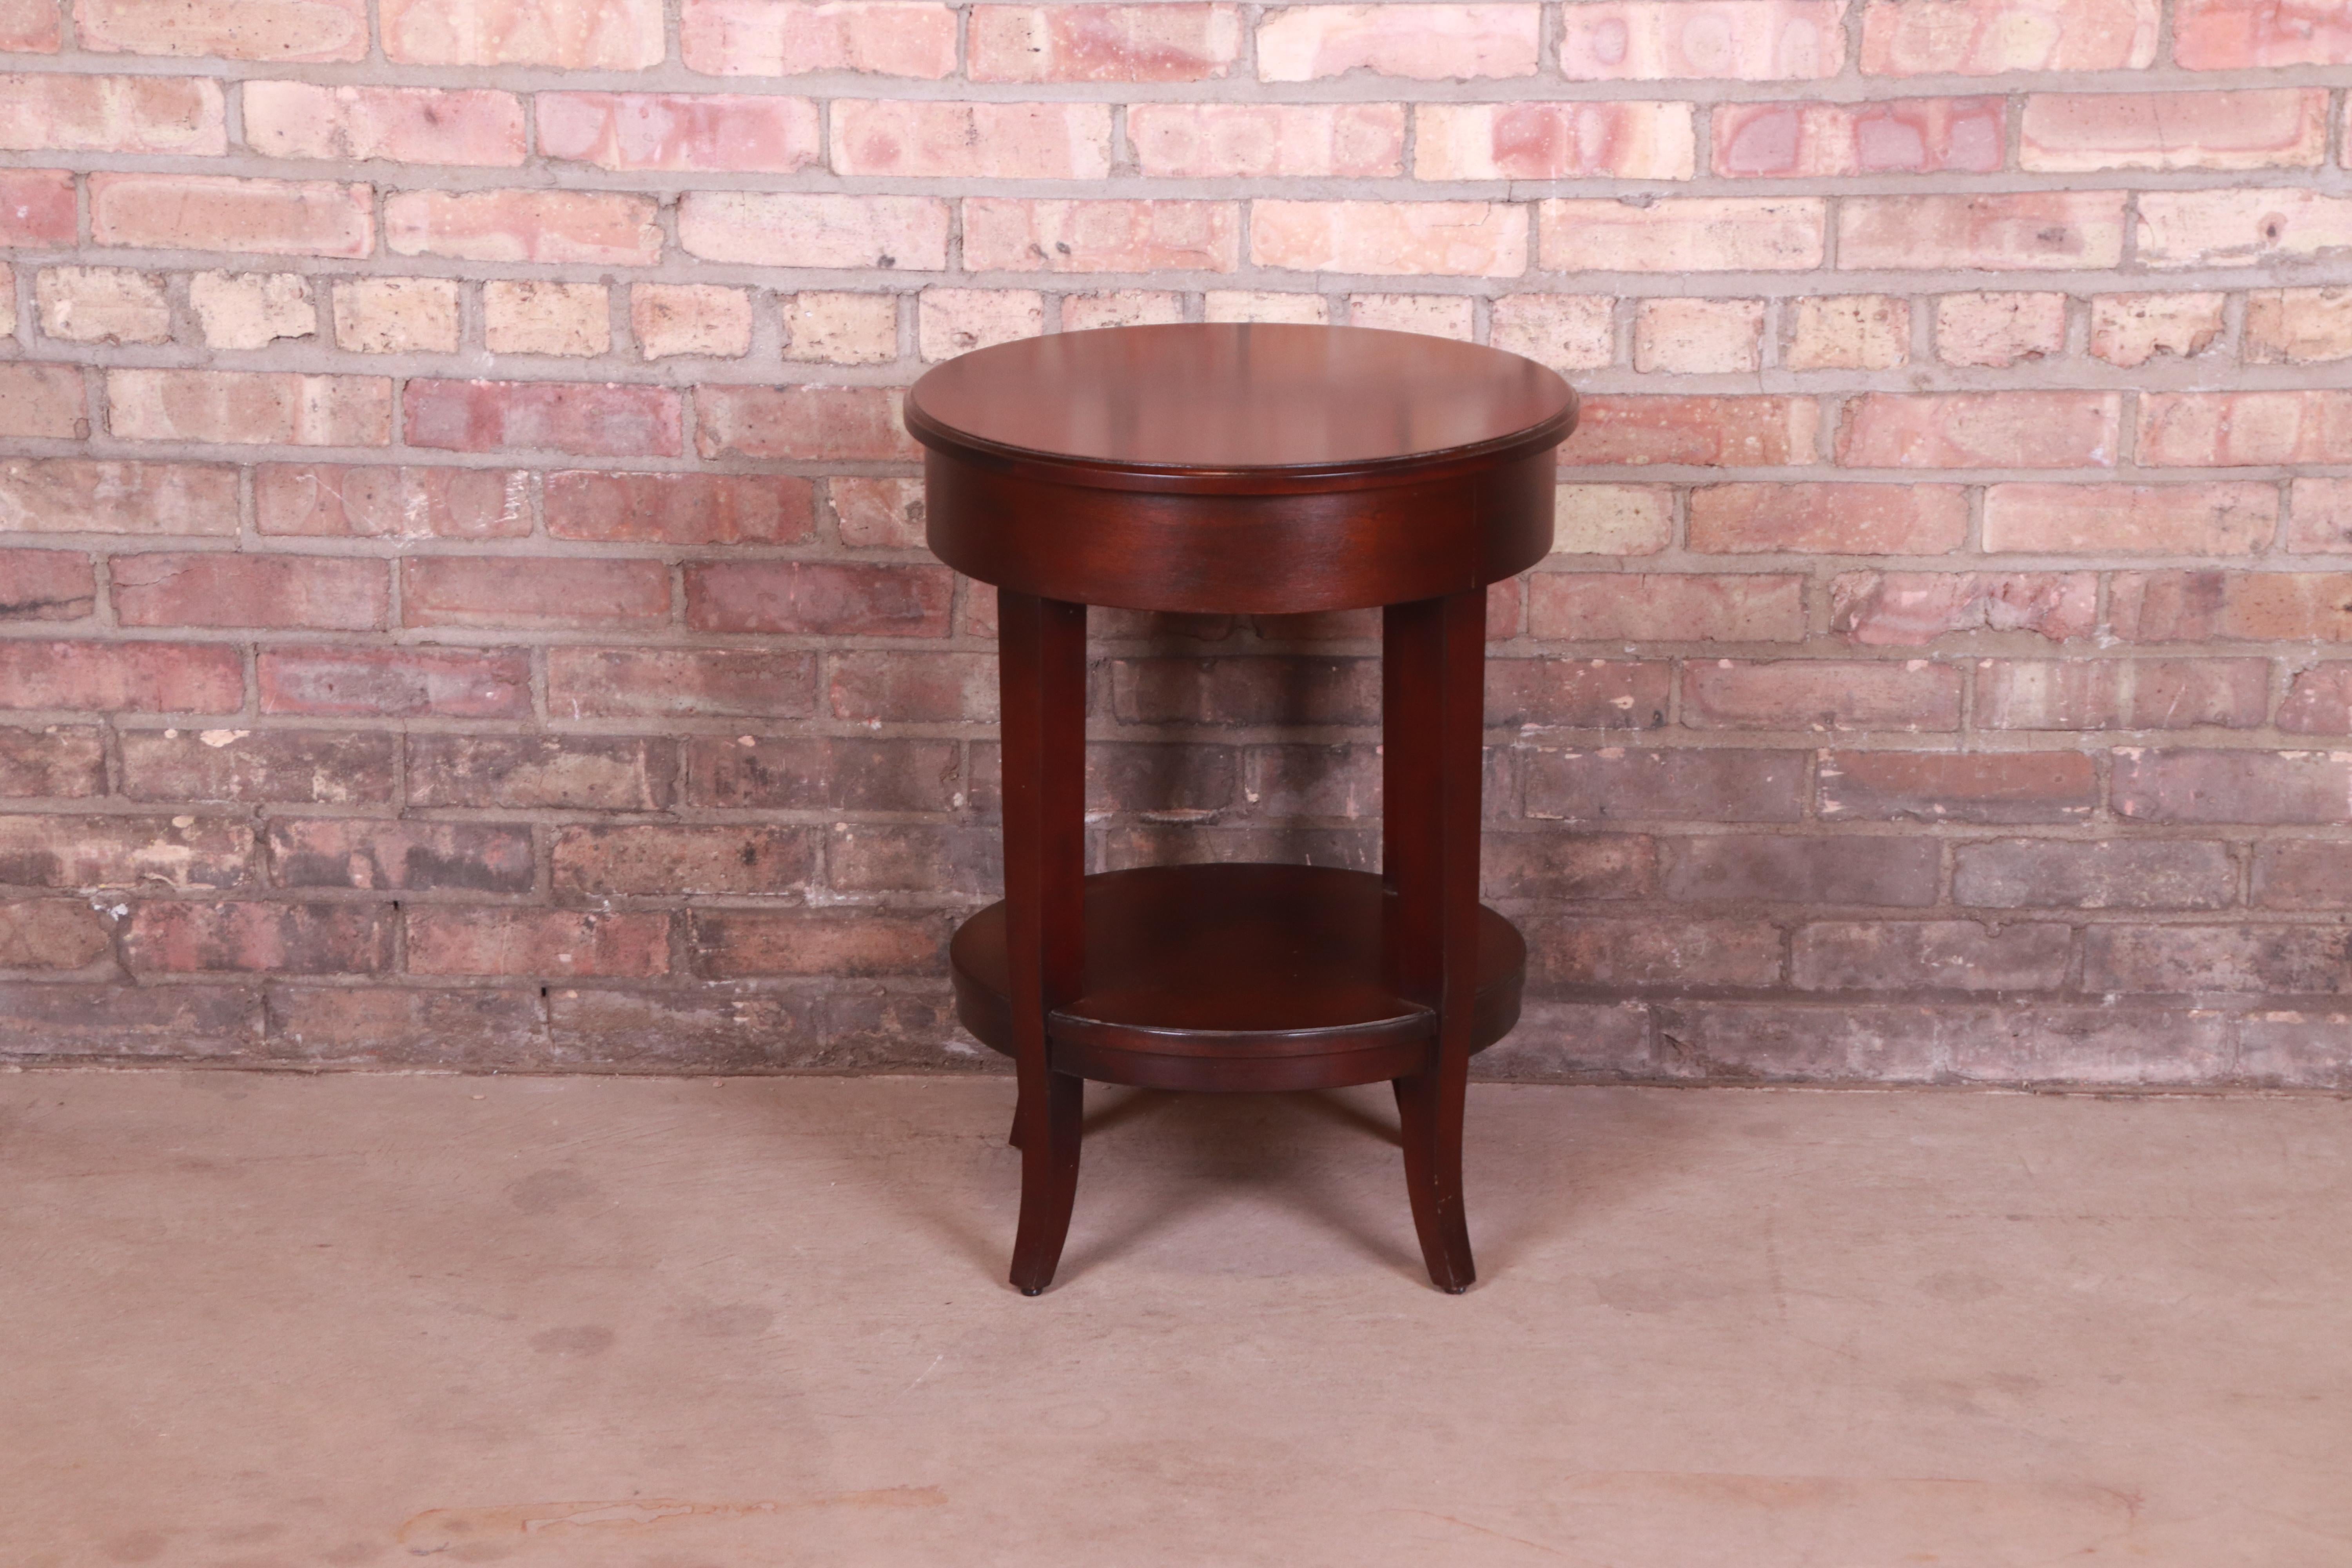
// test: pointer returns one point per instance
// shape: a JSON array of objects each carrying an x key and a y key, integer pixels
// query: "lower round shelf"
[{"x": 1234, "y": 977}]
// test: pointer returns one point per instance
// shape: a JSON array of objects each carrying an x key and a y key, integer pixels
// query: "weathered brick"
[
  {"x": 1568, "y": 867},
  {"x": 2240, "y": 228},
  {"x": 2303, "y": 874},
  {"x": 46, "y": 1020},
  {"x": 841, "y": 329},
  {"x": 1849, "y": 331},
  {"x": 397, "y": 315},
  {"x": 651, "y": 683},
  {"x": 1423, "y": 43},
  {"x": 255, "y": 938},
  {"x": 1936, "y": 956},
  {"x": 1821, "y": 694},
  {"x": 1609, "y": 607},
  {"x": 1112, "y": 43},
  {"x": 1742, "y": 40},
  {"x": 1698, "y": 337},
  {"x": 542, "y": 943},
  {"x": 2308, "y": 960},
  {"x": 54, "y": 111},
  {"x": 2319, "y": 702},
  {"x": 1845, "y": 869},
  {"x": 689, "y": 132},
  {"x": 1901, "y": 136},
  {"x": 2204, "y": 606},
  {"x": 1581, "y": 693},
  {"x": 952, "y": 322},
  {"x": 1988, "y": 38},
  {"x": 1176, "y": 782},
  {"x": 216, "y": 588},
  {"x": 211, "y": 212},
  {"x": 2065, "y": 133},
  {"x": 576, "y": 35},
  {"x": 473, "y": 1028},
  {"x": 912, "y": 857},
  {"x": 149, "y": 852},
  {"x": 1252, "y": 305},
  {"x": 1431, "y": 315},
  {"x": 416, "y": 857},
  {"x": 2129, "y": 330},
  {"x": 2321, "y": 509},
  {"x": 679, "y": 862},
  {"x": 533, "y": 316},
  {"x": 2243, "y": 429},
  {"x": 395, "y": 682},
  {"x": 297, "y": 30},
  {"x": 680, "y": 508},
  {"x": 2231, "y": 35},
  {"x": 821, "y": 424},
  {"x": 52, "y": 933},
  {"x": 79, "y": 495},
  {"x": 2302, "y": 788},
  {"x": 1829, "y": 519},
  {"x": 46, "y": 585},
  {"x": 878, "y": 513},
  {"x": 1611, "y": 520},
  {"x": 735, "y": 944},
  {"x": 277, "y": 767},
  {"x": 818, "y": 598},
  {"x": 31, "y": 26},
  {"x": 823, "y": 774},
  {"x": 331, "y": 500},
  {"x": 527, "y": 773},
  {"x": 1261, "y": 140},
  {"x": 499, "y": 591},
  {"x": 2019, "y": 231},
  {"x": 597, "y": 228},
  {"x": 1683, "y": 234},
  {"x": 139, "y": 676},
  {"x": 1013, "y": 235},
  {"x": 1615, "y": 783},
  {"x": 2156, "y": 520},
  {"x": 669, "y": 318},
  {"x": 249, "y": 408},
  {"x": 1712, "y": 432},
  {"x": 1979, "y": 429},
  {"x": 1297, "y": 690},
  {"x": 792, "y": 37},
  {"x": 1649, "y": 954},
  {"x": 1554, "y": 141},
  {"x": 37, "y": 207},
  {"x": 2190, "y": 693},
  {"x": 970, "y": 140},
  {"x": 2111, "y": 874},
  {"x": 706, "y": 1029},
  {"x": 54, "y": 761},
  {"x": 605, "y": 421},
  {"x": 1958, "y": 786},
  {"x": 42, "y": 400},
  {"x": 1339, "y": 783},
  {"x": 1120, "y": 307},
  {"x": 252, "y": 310},
  {"x": 1567, "y": 331},
  {"x": 912, "y": 688},
  {"x": 403, "y": 124},
  {"x": 1997, "y": 331},
  {"x": 798, "y": 229},
  {"x": 2298, "y": 326},
  {"x": 2050, "y": 694}
]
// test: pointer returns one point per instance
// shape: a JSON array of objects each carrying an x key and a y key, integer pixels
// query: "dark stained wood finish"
[{"x": 1242, "y": 470}]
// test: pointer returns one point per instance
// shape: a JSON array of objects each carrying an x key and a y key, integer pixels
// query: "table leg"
[
  {"x": 1042, "y": 659},
  {"x": 1432, "y": 725}
]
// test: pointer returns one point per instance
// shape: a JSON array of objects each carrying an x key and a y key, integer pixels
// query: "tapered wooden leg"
[
  {"x": 1042, "y": 658},
  {"x": 1433, "y": 722}
]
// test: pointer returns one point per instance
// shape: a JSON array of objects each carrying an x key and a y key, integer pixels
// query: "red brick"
[
  {"x": 148, "y": 852},
  {"x": 2186, "y": 694},
  {"x": 706, "y": 1029},
  {"x": 1650, "y": 954},
  {"x": 2243, "y": 429},
  {"x": 531, "y": 591},
  {"x": 818, "y": 598},
  {"x": 1683, "y": 234},
  {"x": 395, "y": 682},
  {"x": 49, "y": 1021},
  {"x": 2065, "y": 133},
  {"x": 885, "y": 515},
  {"x": 596, "y": 227},
  {"x": 972, "y": 141},
  {"x": 2254, "y": 787},
  {"x": 278, "y": 767},
  {"x": 1832, "y": 520},
  {"x": 576, "y": 35},
  {"x": 1713, "y": 432},
  {"x": 680, "y": 508},
  {"x": 1741, "y": 40},
  {"x": 913, "y": 858},
  {"x": 51, "y": 763},
  {"x": 1979, "y": 429},
  {"x": 209, "y": 212},
  {"x": 1173, "y": 783},
  {"x": 248, "y": 407},
  {"x": 219, "y": 589},
  {"x": 735, "y": 944},
  {"x": 42, "y": 400},
  {"x": 1261, "y": 140},
  {"x": 2129, "y": 330},
  {"x": 1848, "y": 869},
  {"x": 521, "y": 772},
  {"x": 51, "y": 933},
  {"x": 1443, "y": 239},
  {"x": 1284, "y": 783},
  {"x": 1911, "y": 609},
  {"x": 2303, "y": 874},
  {"x": 2319, "y": 702},
  {"x": 473, "y": 1028},
  {"x": 682, "y": 131},
  {"x": 37, "y": 207},
  {"x": 762, "y": 228},
  {"x": 403, "y": 124},
  {"x": 824, "y": 773},
  {"x": 2157, "y": 520},
  {"x": 1934, "y": 956},
  {"x": 1111, "y": 42},
  {"x": 272, "y": 938},
  {"x": 2050, "y": 694},
  {"x": 329, "y": 501},
  {"x": 2019, "y": 231},
  {"x": 817, "y": 424},
  {"x": 2298, "y": 326},
  {"x": 1615, "y": 783},
  {"x": 1988, "y": 38},
  {"x": 1565, "y": 866},
  {"x": 139, "y": 676},
  {"x": 605, "y": 421},
  {"x": 1615, "y": 606},
  {"x": 781, "y": 38},
  {"x": 913, "y": 688},
  {"x": 679, "y": 862},
  {"x": 1296, "y": 691},
  {"x": 629, "y": 683},
  {"x": 1423, "y": 43},
  {"x": 420, "y": 857},
  {"x": 31, "y": 26},
  {"x": 2321, "y": 509},
  {"x": 1821, "y": 694},
  {"x": 1010, "y": 234},
  {"x": 2240, "y": 228},
  {"x": 77, "y": 495},
  {"x": 112, "y": 115},
  {"x": 2183, "y": 959},
  {"x": 2231, "y": 35},
  {"x": 1581, "y": 693},
  {"x": 2204, "y": 606},
  {"x": 544, "y": 943},
  {"x": 2111, "y": 874},
  {"x": 46, "y": 585},
  {"x": 1963, "y": 786},
  {"x": 295, "y": 30},
  {"x": 1901, "y": 136}
]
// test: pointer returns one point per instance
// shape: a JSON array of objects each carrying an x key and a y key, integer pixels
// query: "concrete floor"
[{"x": 283, "y": 1322}]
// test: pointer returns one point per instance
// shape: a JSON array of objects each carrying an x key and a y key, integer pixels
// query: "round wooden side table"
[{"x": 1256, "y": 469}]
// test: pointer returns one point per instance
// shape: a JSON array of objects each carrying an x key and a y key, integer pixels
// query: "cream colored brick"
[
  {"x": 842, "y": 329},
  {"x": 7, "y": 300},
  {"x": 1432, "y": 315},
  {"x": 2129, "y": 330},
  {"x": 102, "y": 305},
  {"x": 530, "y": 317},
  {"x": 1999, "y": 330},
  {"x": 1120, "y": 307},
  {"x": 252, "y": 310},
  {"x": 690, "y": 319},
  {"x": 1613, "y": 519},
  {"x": 1566, "y": 331},
  {"x": 952, "y": 322},
  {"x": 1849, "y": 331},
  {"x": 396, "y": 315},
  {"x": 1243, "y": 305},
  {"x": 1698, "y": 337}
]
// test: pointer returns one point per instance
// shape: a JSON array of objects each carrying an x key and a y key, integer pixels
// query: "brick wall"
[{"x": 462, "y": 579}]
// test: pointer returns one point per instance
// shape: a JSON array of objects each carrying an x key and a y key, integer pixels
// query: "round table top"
[{"x": 1201, "y": 398}]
